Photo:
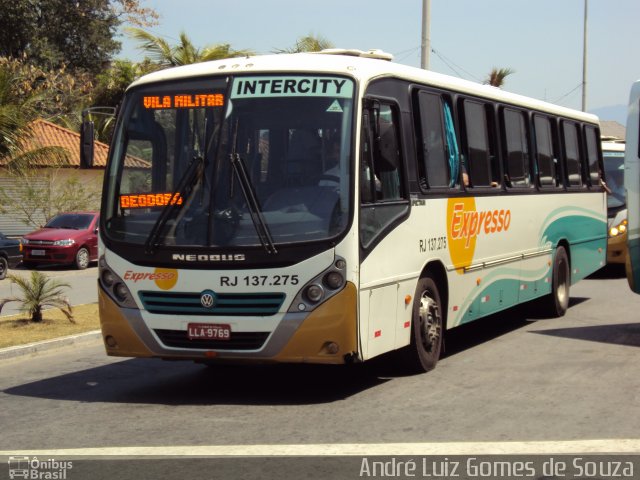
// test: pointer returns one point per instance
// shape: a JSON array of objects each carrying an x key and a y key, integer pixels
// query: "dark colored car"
[
  {"x": 68, "y": 238},
  {"x": 10, "y": 254}
]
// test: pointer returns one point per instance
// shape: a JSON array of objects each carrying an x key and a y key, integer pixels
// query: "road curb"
[{"x": 39, "y": 347}]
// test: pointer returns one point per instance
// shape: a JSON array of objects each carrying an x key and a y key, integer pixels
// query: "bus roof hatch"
[{"x": 373, "y": 53}]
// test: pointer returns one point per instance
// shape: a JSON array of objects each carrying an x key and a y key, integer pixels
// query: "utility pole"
[
  {"x": 426, "y": 34},
  {"x": 584, "y": 61}
]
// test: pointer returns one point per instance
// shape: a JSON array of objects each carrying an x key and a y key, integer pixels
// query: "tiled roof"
[{"x": 47, "y": 134}]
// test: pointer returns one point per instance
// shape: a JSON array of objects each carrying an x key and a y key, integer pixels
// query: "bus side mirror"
[{"x": 86, "y": 144}]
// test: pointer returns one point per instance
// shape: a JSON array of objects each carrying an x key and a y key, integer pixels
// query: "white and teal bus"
[
  {"x": 333, "y": 207},
  {"x": 613, "y": 159},
  {"x": 632, "y": 187}
]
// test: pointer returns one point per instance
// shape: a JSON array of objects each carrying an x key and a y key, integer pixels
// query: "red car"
[{"x": 68, "y": 238}]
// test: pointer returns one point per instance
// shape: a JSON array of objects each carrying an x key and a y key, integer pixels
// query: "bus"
[
  {"x": 332, "y": 207},
  {"x": 632, "y": 186},
  {"x": 613, "y": 159}
]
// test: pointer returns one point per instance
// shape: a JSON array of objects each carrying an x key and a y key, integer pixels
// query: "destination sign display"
[
  {"x": 292, "y": 86},
  {"x": 198, "y": 100}
]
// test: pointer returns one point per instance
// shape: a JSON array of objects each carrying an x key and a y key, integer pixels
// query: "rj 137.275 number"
[{"x": 259, "y": 280}]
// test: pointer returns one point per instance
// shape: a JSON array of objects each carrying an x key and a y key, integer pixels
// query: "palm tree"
[
  {"x": 497, "y": 75},
  {"x": 17, "y": 111},
  {"x": 308, "y": 43},
  {"x": 39, "y": 292},
  {"x": 184, "y": 53}
]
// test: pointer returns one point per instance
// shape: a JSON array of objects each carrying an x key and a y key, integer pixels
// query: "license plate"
[
  {"x": 37, "y": 252},
  {"x": 208, "y": 331}
]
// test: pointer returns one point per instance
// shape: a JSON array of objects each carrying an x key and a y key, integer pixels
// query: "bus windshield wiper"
[
  {"x": 179, "y": 195},
  {"x": 253, "y": 205}
]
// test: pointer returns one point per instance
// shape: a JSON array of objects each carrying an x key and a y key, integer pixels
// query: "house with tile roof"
[{"x": 47, "y": 134}]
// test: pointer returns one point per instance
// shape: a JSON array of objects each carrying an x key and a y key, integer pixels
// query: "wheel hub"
[{"x": 430, "y": 324}]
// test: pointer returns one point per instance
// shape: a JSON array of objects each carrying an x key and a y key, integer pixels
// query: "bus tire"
[
  {"x": 557, "y": 303},
  {"x": 427, "y": 327}
]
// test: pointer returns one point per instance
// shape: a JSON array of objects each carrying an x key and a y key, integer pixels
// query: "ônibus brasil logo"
[{"x": 465, "y": 224}]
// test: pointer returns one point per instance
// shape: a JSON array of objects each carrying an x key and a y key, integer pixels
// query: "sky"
[{"x": 541, "y": 40}]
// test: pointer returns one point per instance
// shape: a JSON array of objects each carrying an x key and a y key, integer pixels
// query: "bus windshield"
[
  {"x": 614, "y": 171},
  {"x": 244, "y": 161}
]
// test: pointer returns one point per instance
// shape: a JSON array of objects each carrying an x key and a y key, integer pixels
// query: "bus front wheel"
[{"x": 427, "y": 328}]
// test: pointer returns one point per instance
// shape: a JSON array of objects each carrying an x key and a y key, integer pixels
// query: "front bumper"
[
  {"x": 51, "y": 254},
  {"x": 299, "y": 337},
  {"x": 617, "y": 249}
]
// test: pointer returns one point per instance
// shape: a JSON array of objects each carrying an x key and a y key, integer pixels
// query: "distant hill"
[{"x": 617, "y": 113}]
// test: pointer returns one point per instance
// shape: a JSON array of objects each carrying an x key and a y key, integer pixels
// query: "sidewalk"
[{"x": 36, "y": 348}]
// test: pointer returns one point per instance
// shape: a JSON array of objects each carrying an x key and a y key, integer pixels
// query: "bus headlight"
[
  {"x": 320, "y": 288},
  {"x": 618, "y": 229},
  {"x": 121, "y": 292},
  {"x": 334, "y": 280},
  {"x": 114, "y": 285},
  {"x": 108, "y": 277},
  {"x": 314, "y": 293}
]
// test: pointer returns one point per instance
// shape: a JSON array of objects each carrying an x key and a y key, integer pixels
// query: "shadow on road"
[
  {"x": 152, "y": 381},
  {"x": 622, "y": 334},
  {"x": 471, "y": 334},
  {"x": 609, "y": 272}
]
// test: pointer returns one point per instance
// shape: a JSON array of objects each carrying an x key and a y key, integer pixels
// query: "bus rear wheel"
[
  {"x": 557, "y": 302},
  {"x": 427, "y": 328}
]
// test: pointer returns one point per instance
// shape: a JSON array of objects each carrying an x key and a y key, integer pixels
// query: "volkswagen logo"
[{"x": 208, "y": 299}]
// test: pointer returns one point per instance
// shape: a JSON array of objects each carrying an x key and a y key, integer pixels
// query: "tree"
[
  {"x": 50, "y": 94},
  {"x": 165, "y": 55},
  {"x": 36, "y": 194},
  {"x": 39, "y": 292},
  {"x": 18, "y": 108},
  {"x": 76, "y": 34},
  {"x": 497, "y": 75},
  {"x": 308, "y": 43},
  {"x": 111, "y": 84},
  {"x": 130, "y": 11}
]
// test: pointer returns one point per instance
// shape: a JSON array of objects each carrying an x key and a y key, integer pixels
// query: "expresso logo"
[
  {"x": 164, "y": 278},
  {"x": 465, "y": 223}
]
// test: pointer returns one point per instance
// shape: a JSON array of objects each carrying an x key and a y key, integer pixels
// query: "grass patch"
[{"x": 18, "y": 330}]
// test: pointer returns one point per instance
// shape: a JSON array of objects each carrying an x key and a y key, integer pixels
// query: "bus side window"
[
  {"x": 593, "y": 158},
  {"x": 546, "y": 157},
  {"x": 479, "y": 144},
  {"x": 435, "y": 166},
  {"x": 382, "y": 194},
  {"x": 516, "y": 155},
  {"x": 386, "y": 162},
  {"x": 367, "y": 187},
  {"x": 572, "y": 154}
]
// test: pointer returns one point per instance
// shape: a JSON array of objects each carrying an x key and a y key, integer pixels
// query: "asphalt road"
[
  {"x": 83, "y": 285},
  {"x": 511, "y": 378}
]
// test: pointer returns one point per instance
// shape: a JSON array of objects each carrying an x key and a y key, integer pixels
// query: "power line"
[
  {"x": 449, "y": 63},
  {"x": 568, "y": 93},
  {"x": 457, "y": 69},
  {"x": 405, "y": 54}
]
